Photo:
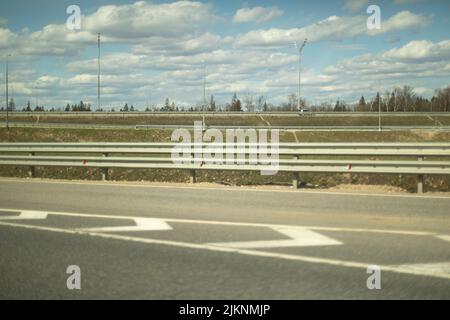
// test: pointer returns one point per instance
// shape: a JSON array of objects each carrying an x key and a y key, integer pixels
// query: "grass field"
[{"x": 229, "y": 178}]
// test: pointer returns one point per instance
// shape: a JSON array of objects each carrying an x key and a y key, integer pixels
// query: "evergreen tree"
[
  {"x": 235, "y": 104},
  {"x": 362, "y": 102},
  {"x": 212, "y": 104},
  {"x": 166, "y": 106}
]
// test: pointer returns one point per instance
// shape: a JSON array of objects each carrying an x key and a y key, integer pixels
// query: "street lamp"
[
  {"x": 204, "y": 97},
  {"x": 98, "y": 75},
  {"x": 379, "y": 112},
  {"x": 7, "y": 98},
  {"x": 299, "y": 69}
]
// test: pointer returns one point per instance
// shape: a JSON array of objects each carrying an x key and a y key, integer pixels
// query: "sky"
[{"x": 153, "y": 50}]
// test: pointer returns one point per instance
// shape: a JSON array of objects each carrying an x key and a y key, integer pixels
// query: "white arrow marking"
[
  {"x": 142, "y": 224},
  {"x": 301, "y": 237},
  {"x": 26, "y": 215}
]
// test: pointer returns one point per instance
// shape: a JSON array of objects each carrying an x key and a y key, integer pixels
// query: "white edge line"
[{"x": 334, "y": 262}]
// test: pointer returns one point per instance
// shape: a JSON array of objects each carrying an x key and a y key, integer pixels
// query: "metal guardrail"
[
  {"x": 217, "y": 113},
  {"x": 301, "y": 127},
  {"x": 365, "y": 157},
  {"x": 190, "y": 126}
]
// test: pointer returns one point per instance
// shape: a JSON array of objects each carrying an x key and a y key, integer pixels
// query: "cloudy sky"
[{"x": 156, "y": 49}]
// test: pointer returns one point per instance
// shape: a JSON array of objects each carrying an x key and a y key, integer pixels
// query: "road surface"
[{"x": 183, "y": 242}]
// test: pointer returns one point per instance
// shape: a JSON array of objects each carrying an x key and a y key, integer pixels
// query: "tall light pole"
[
  {"x": 379, "y": 112},
  {"x": 299, "y": 69},
  {"x": 204, "y": 96},
  {"x": 98, "y": 76},
  {"x": 7, "y": 98}
]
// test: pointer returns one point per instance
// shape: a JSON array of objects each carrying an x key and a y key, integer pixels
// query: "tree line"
[{"x": 399, "y": 99}]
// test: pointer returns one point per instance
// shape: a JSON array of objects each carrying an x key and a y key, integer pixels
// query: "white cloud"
[
  {"x": 392, "y": 68},
  {"x": 142, "y": 19},
  {"x": 423, "y": 91},
  {"x": 257, "y": 14},
  {"x": 231, "y": 61},
  {"x": 403, "y": 20},
  {"x": 331, "y": 28},
  {"x": 421, "y": 51},
  {"x": 7, "y": 38},
  {"x": 188, "y": 45},
  {"x": 131, "y": 23}
]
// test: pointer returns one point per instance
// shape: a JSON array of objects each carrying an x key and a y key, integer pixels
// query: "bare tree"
[
  {"x": 442, "y": 100},
  {"x": 397, "y": 98},
  {"x": 260, "y": 102},
  {"x": 248, "y": 103},
  {"x": 292, "y": 102},
  {"x": 408, "y": 96}
]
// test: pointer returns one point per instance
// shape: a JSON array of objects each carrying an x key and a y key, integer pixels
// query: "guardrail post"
[
  {"x": 420, "y": 179},
  {"x": 31, "y": 171},
  {"x": 105, "y": 170},
  {"x": 295, "y": 175},
  {"x": 192, "y": 178},
  {"x": 295, "y": 180}
]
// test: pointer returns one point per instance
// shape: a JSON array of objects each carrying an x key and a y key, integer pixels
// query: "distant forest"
[{"x": 399, "y": 99}]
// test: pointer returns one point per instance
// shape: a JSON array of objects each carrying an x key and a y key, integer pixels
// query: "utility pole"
[
  {"x": 98, "y": 77},
  {"x": 395, "y": 100},
  {"x": 204, "y": 97},
  {"x": 379, "y": 112},
  {"x": 7, "y": 98},
  {"x": 299, "y": 70}
]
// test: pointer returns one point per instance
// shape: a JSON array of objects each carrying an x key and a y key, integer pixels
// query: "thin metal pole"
[
  {"x": 299, "y": 79},
  {"x": 379, "y": 112},
  {"x": 7, "y": 98},
  {"x": 395, "y": 101},
  {"x": 204, "y": 96},
  {"x": 98, "y": 78},
  {"x": 299, "y": 71}
]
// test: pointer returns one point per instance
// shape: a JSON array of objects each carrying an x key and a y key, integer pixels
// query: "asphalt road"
[{"x": 174, "y": 242}]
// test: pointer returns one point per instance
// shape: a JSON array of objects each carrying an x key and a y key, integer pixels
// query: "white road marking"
[
  {"x": 301, "y": 237},
  {"x": 142, "y": 224},
  {"x": 443, "y": 237},
  {"x": 325, "y": 261},
  {"x": 437, "y": 268},
  {"x": 26, "y": 215},
  {"x": 240, "y": 224},
  {"x": 267, "y": 122},
  {"x": 294, "y": 133}
]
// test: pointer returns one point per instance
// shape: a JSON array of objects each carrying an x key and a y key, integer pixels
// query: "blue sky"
[{"x": 156, "y": 49}]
